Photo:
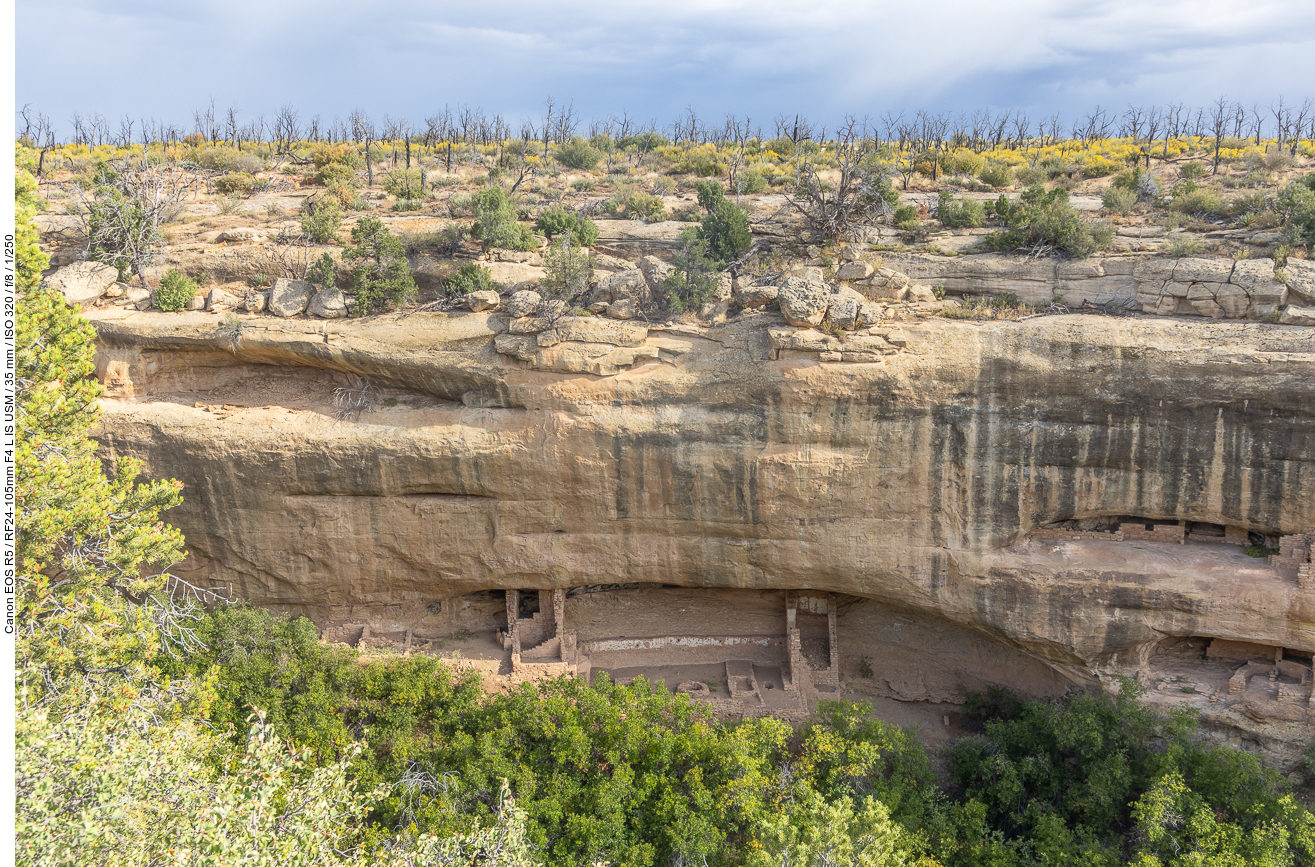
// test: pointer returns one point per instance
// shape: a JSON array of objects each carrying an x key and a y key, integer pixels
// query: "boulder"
[
  {"x": 196, "y": 302},
  {"x": 482, "y": 299},
  {"x": 870, "y": 313},
  {"x": 328, "y": 304},
  {"x": 83, "y": 282},
  {"x": 524, "y": 303},
  {"x": 655, "y": 271},
  {"x": 843, "y": 312},
  {"x": 256, "y": 302},
  {"x": 623, "y": 308},
  {"x": 507, "y": 276},
  {"x": 598, "y": 307},
  {"x": 621, "y": 284},
  {"x": 522, "y": 257},
  {"x": 753, "y": 297},
  {"x": 920, "y": 293},
  {"x": 218, "y": 299},
  {"x": 290, "y": 297},
  {"x": 886, "y": 284},
  {"x": 854, "y": 271},
  {"x": 115, "y": 291},
  {"x": 240, "y": 236},
  {"x": 134, "y": 294},
  {"x": 604, "y": 262},
  {"x": 712, "y": 311},
  {"x": 1293, "y": 315},
  {"x": 725, "y": 287},
  {"x": 812, "y": 274},
  {"x": 803, "y": 304},
  {"x": 1300, "y": 277}
]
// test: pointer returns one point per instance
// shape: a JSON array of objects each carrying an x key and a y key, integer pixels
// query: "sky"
[{"x": 823, "y": 59}]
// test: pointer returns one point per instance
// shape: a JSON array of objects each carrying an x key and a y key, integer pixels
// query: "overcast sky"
[{"x": 164, "y": 58}]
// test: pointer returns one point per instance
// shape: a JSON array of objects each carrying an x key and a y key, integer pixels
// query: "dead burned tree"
[
  {"x": 842, "y": 211},
  {"x": 122, "y": 213}
]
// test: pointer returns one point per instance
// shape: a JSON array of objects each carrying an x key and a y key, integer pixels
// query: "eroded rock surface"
[{"x": 913, "y": 465}]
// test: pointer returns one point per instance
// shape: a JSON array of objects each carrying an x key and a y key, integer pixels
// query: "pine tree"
[{"x": 91, "y": 552}]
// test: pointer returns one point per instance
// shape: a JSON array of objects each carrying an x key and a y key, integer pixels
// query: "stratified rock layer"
[{"x": 909, "y": 471}]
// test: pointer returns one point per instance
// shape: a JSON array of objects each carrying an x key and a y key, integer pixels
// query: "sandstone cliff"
[{"x": 737, "y": 456}]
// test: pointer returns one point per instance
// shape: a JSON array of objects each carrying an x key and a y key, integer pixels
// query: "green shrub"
[
  {"x": 233, "y": 182},
  {"x": 1029, "y": 176},
  {"x": 325, "y": 154},
  {"x": 1128, "y": 179},
  {"x": 696, "y": 273},
  {"x": 174, "y": 291},
  {"x": 335, "y": 173},
  {"x": 644, "y": 141},
  {"x": 711, "y": 194},
  {"x": 750, "y": 182},
  {"x": 583, "y": 185},
  {"x": 585, "y": 233},
  {"x": 495, "y": 222},
  {"x": 726, "y": 230},
  {"x": 324, "y": 273},
  {"x": 403, "y": 183},
  {"x": 382, "y": 279},
  {"x": 961, "y": 213},
  {"x": 556, "y": 220},
  {"x": 566, "y": 269},
  {"x": 702, "y": 162},
  {"x": 1039, "y": 219},
  {"x": 782, "y": 147},
  {"x": 1179, "y": 245},
  {"x": 1196, "y": 201},
  {"x": 408, "y": 205},
  {"x": 1193, "y": 170},
  {"x": 468, "y": 278},
  {"x": 643, "y": 206},
  {"x": 997, "y": 174},
  {"x": 322, "y": 220},
  {"x": 223, "y": 159},
  {"x": 905, "y": 217},
  {"x": 1119, "y": 200},
  {"x": 1053, "y": 167},
  {"x": 578, "y": 154},
  {"x": 1295, "y": 206}
]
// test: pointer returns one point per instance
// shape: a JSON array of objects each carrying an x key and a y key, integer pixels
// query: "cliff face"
[{"x": 719, "y": 459}]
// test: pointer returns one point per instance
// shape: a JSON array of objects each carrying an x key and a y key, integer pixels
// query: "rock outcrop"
[
  {"x": 803, "y": 304},
  {"x": 913, "y": 465},
  {"x": 328, "y": 303},
  {"x": 83, "y": 282},
  {"x": 1217, "y": 288},
  {"x": 290, "y": 297}
]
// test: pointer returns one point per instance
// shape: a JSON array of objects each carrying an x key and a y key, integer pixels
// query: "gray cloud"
[{"x": 824, "y": 58}]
